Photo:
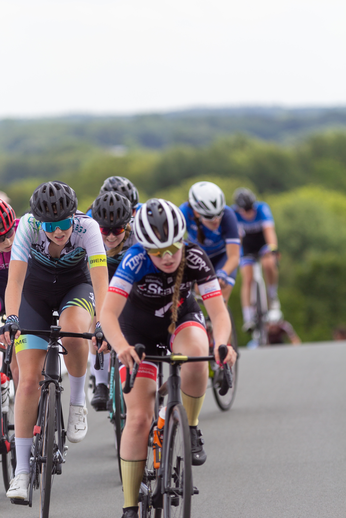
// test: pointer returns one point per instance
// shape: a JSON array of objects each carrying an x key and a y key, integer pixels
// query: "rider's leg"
[
  {"x": 245, "y": 294},
  {"x": 192, "y": 340},
  {"x": 140, "y": 404},
  {"x": 76, "y": 319},
  {"x": 271, "y": 275}
]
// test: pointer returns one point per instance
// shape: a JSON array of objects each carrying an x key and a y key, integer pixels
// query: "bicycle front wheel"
[
  {"x": 177, "y": 466},
  {"x": 225, "y": 402},
  {"x": 119, "y": 411},
  {"x": 8, "y": 458},
  {"x": 48, "y": 434}
]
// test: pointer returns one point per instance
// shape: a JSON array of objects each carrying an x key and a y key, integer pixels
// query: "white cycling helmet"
[
  {"x": 274, "y": 316},
  {"x": 207, "y": 199},
  {"x": 159, "y": 223}
]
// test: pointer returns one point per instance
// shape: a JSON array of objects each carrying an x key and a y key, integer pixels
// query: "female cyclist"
[
  {"x": 49, "y": 271},
  {"x": 113, "y": 213},
  {"x": 149, "y": 301},
  {"x": 213, "y": 226},
  {"x": 8, "y": 227},
  {"x": 259, "y": 239}
]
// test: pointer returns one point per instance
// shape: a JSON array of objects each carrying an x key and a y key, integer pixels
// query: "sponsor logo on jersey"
[
  {"x": 196, "y": 261},
  {"x": 134, "y": 262},
  {"x": 97, "y": 260}
]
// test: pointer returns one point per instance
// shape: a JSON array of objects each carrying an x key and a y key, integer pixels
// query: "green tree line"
[{"x": 304, "y": 184}]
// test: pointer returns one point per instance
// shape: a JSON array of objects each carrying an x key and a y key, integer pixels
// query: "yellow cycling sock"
[
  {"x": 193, "y": 406},
  {"x": 132, "y": 474}
]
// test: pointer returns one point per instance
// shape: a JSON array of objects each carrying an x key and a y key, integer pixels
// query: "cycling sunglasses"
[
  {"x": 160, "y": 252},
  {"x": 210, "y": 218},
  {"x": 64, "y": 224},
  {"x": 115, "y": 231},
  {"x": 7, "y": 235}
]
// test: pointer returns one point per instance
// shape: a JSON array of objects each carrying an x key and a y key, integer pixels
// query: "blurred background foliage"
[{"x": 295, "y": 161}]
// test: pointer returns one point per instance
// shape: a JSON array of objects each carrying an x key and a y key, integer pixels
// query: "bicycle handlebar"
[{"x": 178, "y": 358}]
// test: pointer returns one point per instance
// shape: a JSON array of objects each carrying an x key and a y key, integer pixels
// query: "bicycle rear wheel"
[
  {"x": 8, "y": 455},
  {"x": 225, "y": 402},
  {"x": 48, "y": 435},
  {"x": 177, "y": 466}
]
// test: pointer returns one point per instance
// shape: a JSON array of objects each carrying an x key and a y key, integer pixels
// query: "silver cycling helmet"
[
  {"x": 244, "y": 198},
  {"x": 159, "y": 223},
  {"x": 207, "y": 199}
]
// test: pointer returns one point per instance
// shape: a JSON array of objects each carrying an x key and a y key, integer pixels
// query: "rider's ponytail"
[{"x": 176, "y": 293}]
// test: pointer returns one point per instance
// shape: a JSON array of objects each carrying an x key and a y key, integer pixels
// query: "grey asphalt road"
[{"x": 280, "y": 452}]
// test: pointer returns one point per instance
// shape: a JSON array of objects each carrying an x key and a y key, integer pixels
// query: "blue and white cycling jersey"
[
  {"x": 263, "y": 218},
  {"x": 215, "y": 240},
  {"x": 151, "y": 290}
]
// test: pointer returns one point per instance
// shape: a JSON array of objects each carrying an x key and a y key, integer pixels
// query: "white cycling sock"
[
  {"x": 23, "y": 447},
  {"x": 247, "y": 313},
  {"x": 77, "y": 394},
  {"x": 101, "y": 376},
  {"x": 92, "y": 358},
  {"x": 272, "y": 291}
]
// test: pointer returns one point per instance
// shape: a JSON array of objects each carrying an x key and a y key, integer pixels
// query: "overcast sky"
[{"x": 134, "y": 56}]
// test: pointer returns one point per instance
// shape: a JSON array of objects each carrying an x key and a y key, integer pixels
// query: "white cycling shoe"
[
  {"x": 19, "y": 486},
  {"x": 77, "y": 423}
]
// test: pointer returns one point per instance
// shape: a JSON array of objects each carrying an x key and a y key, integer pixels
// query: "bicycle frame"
[{"x": 259, "y": 302}]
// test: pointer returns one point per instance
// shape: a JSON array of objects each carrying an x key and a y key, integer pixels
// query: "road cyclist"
[
  {"x": 58, "y": 262},
  {"x": 149, "y": 301},
  {"x": 213, "y": 226},
  {"x": 123, "y": 186},
  {"x": 113, "y": 213},
  {"x": 259, "y": 239},
  {"x": 8, "y": 226}
]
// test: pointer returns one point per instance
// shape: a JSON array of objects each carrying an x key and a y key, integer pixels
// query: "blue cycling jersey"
[
  {"x": 215, "y": 240},
  {"x": 262, "y": 218}
]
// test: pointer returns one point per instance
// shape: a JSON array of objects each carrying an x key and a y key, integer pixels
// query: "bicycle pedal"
[
  {"x": 195, "y": 490},
  {"x": 175, "y": 501},
  {"x": 19, "y": 501}
]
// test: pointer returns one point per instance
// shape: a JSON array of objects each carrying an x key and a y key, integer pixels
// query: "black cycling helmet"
[
  {"x": 111, "y": 210},
  {"x": 123, "y": 186},
  {"x": 244, "y": 198},
  {"x": 159, "y": 223},
  {"x": 53, "y": 201},
  {"x": 7, "y": 217}
]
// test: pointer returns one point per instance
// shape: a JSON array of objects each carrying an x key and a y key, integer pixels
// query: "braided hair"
[{"x": 176, "y": 292}]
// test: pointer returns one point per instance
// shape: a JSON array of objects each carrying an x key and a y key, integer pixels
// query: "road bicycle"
[
  {"x": 225, "y": 401},
  {"x": 49, "y": 450},
  {"x": 7, "y": 442},
  {"x": 167, "y": 482}
]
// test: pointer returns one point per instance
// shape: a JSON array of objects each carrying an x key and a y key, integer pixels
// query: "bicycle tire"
[
  {"x": 149, "y": 483},
  {"x": 119, "y": 412},
  {"x": 260, "y": 312},
  {"x": 8, "y": 459},
  {"x": 48, "y": 436},
  {"x": 225, "y": 402},
  {"x": 177, "y": 466}
]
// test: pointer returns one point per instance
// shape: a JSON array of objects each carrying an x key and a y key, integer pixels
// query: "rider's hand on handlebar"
[
  {"x": 11, "y": 329},
  {"x": 128, "y": 356},
  {"x": 98, "y": 335},
  {"x": 231, "y": 357}
]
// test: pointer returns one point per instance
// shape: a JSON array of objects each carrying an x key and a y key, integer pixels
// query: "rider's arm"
[
  {"x": 221, "y": 322},
  {"x": 13, "y": 293},
  {"x": 233, "y": 252},
  {"x": 99, "y": 279},
  {"x": 270, "y": 236}
]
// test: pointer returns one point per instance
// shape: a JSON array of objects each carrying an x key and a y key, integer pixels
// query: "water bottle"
[
  {"x": 157, "y": 438},
  {"x": 5, "y": 393}
]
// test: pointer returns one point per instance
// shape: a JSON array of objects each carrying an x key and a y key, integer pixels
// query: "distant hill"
[{"x": 196, "y": 127}]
